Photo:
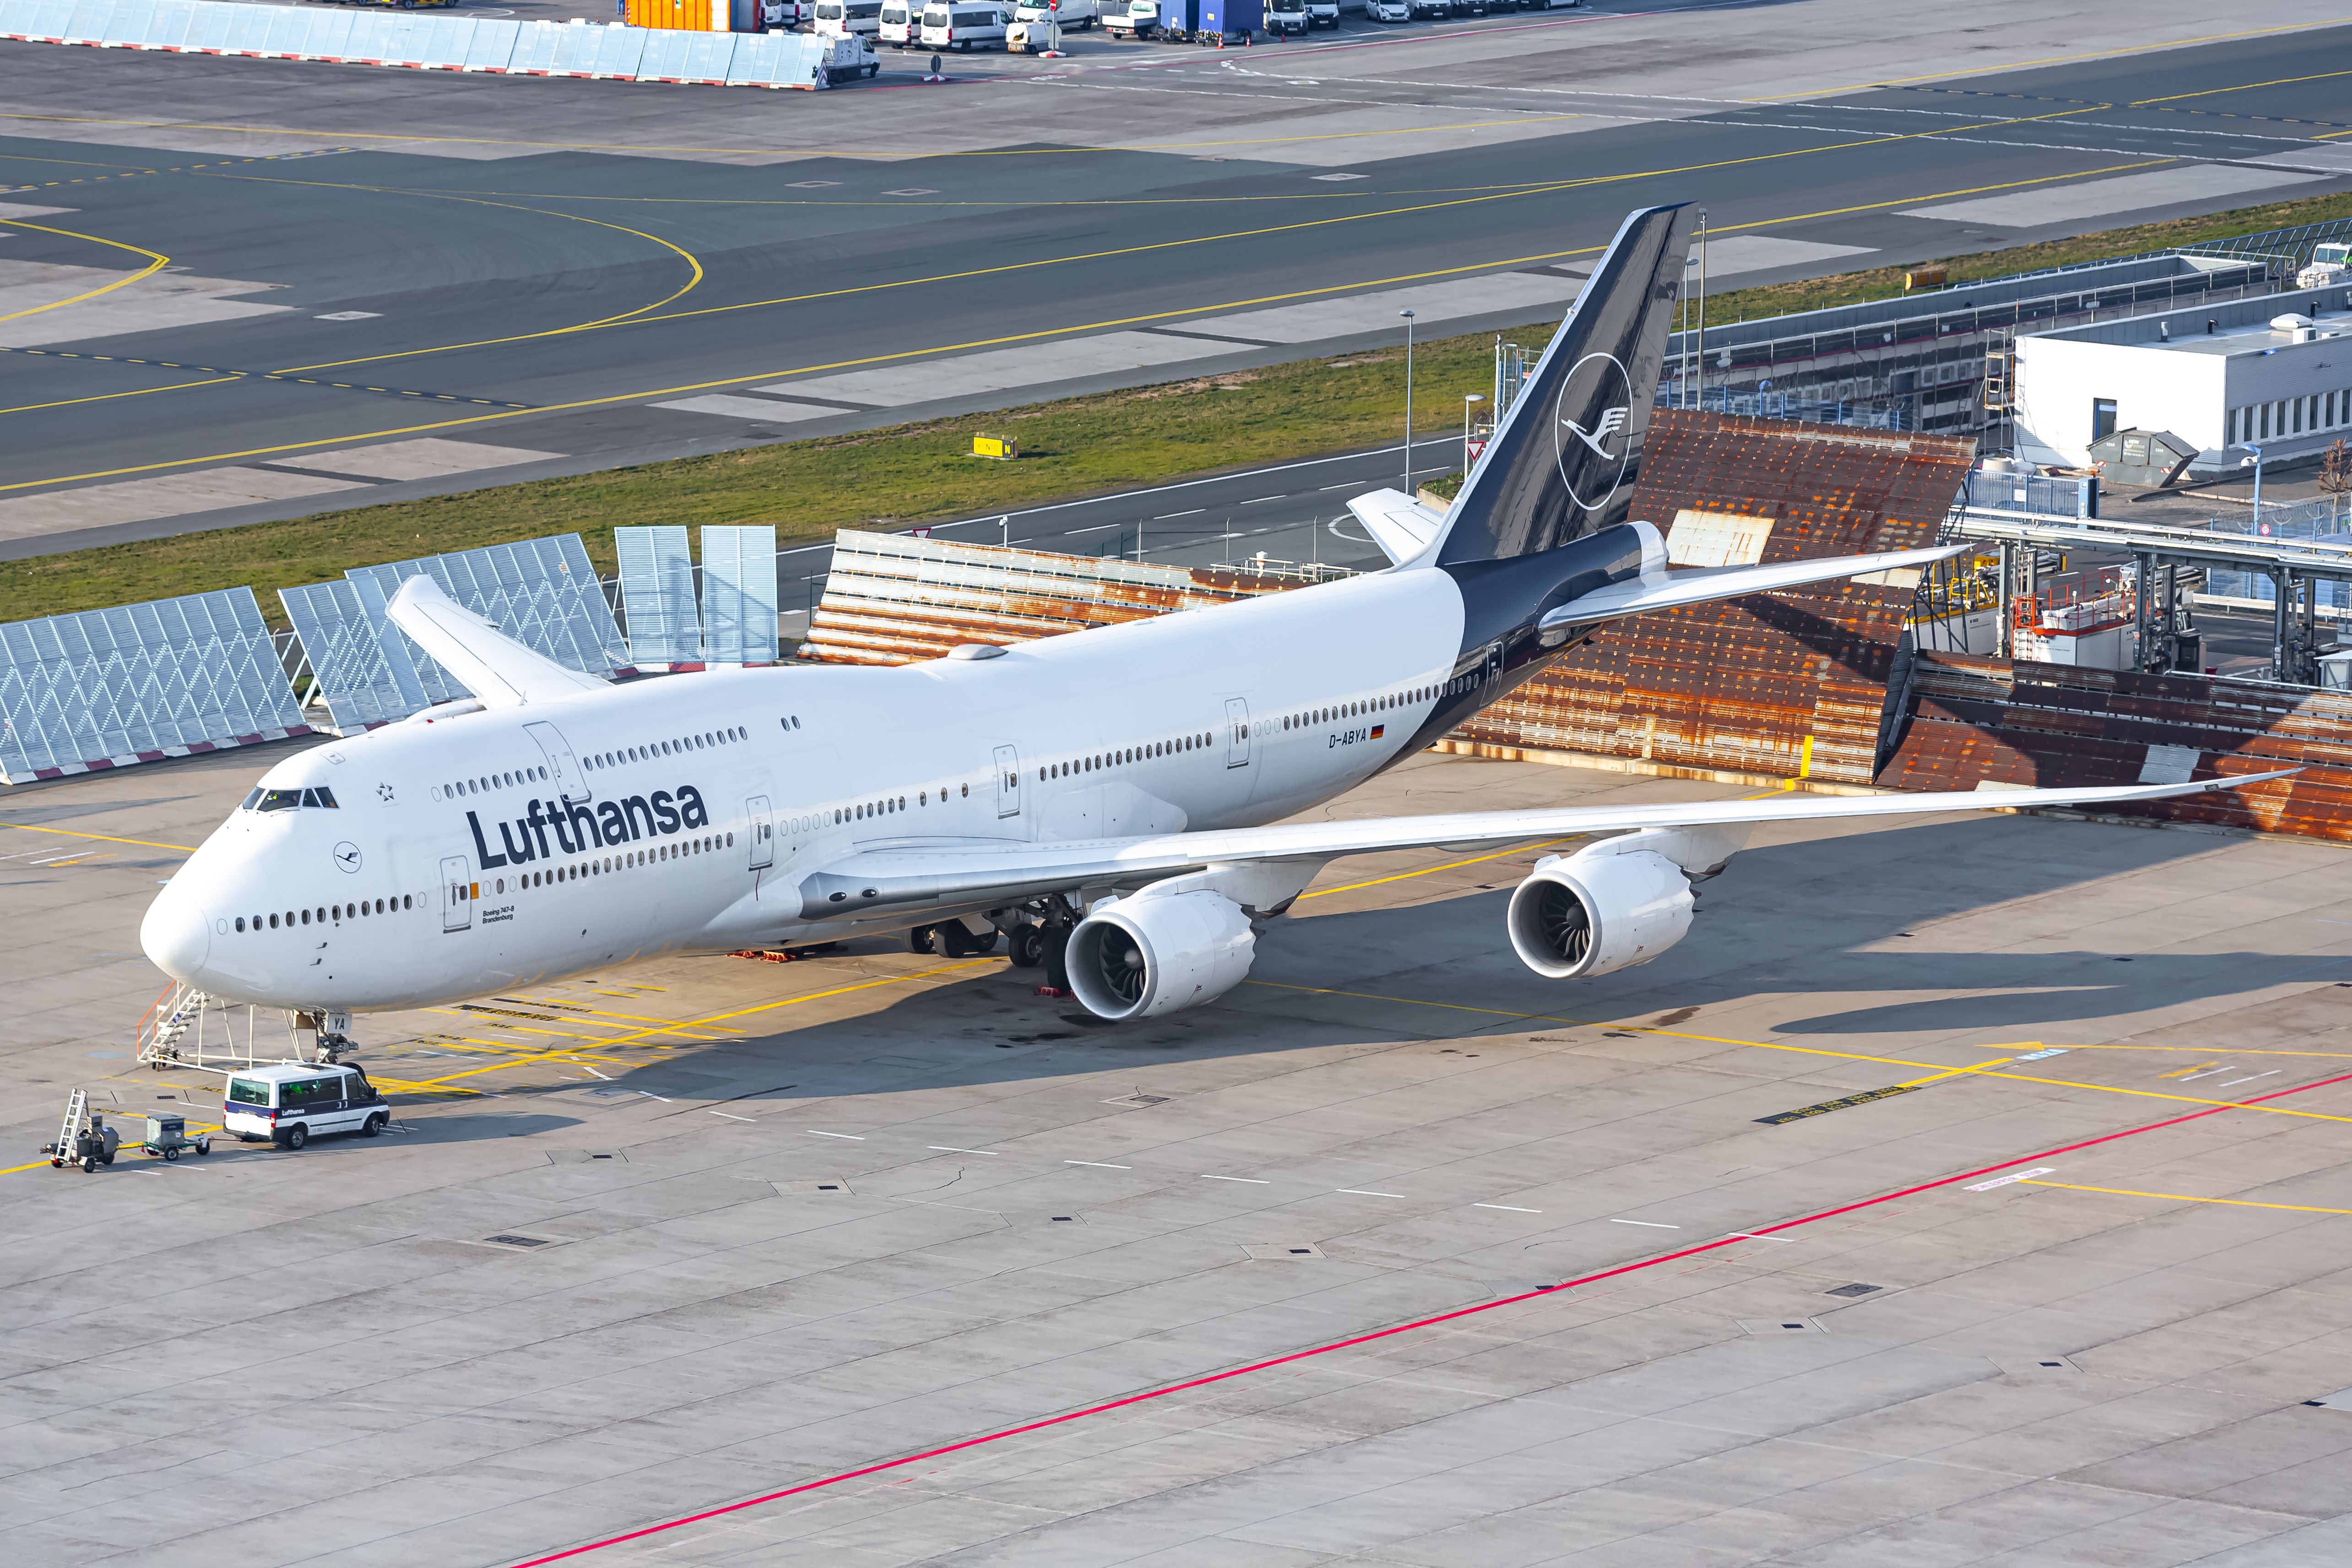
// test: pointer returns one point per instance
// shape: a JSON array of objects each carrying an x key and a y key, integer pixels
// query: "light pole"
[
  {"x": 1408, "y": 400},
  {"x": 1468, "y": 400},
  {"x": 2257, "y": 451}
]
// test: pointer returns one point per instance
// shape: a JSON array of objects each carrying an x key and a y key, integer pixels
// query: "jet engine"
[
  {"x": 1141, "y": 956},
  {"x": 1614, "y": 904}
]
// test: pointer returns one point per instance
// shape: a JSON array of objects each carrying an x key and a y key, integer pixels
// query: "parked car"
[
  {"x": 1287, "y": 18},
  {"x": 859, "y": 18},
  {"x": 1323, "y": 13},
  {"x": 1389, "y": 10},
  {"x": 962, "y": 25},
  {"x": 1432, "y": 9}
]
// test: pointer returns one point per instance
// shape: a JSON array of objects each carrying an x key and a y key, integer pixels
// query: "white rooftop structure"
[{"x": 2274, "y": 372}]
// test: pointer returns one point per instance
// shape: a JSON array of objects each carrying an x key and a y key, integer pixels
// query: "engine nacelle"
[
  {"x": 1599, "y": 910},
  {"x": 1156, "y": 953}
]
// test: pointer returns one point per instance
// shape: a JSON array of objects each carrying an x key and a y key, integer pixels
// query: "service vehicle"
[
  {"x": 1389, "y": 10},
  {"x": 1170, "y": 21},
  {"x": 292, "y": 1102},
  {"x": 850, "y": 57},
  {"x": 965, "y": 26},
  {"x": 1548, "y": 5},
  {"x": 901, "y": 24},
  {"x": 842, "y": 19},
  {"x": 1469, "y": 7},
  {"x": 1431, "y": 9},
  {"x": 1286, "y": 17},
  {"x": 1323, "y": 13},
  {"x": 783, "y": 16},
  {"x": 1075, "y": 16},
  {"x": 2330, "y": 264}
]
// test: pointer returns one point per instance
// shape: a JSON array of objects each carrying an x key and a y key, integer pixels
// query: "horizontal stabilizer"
[
  {"x": 1668, "y": 590},
  {"x": 483, "y": 659},
  {"x": 1398, "y": 524}
]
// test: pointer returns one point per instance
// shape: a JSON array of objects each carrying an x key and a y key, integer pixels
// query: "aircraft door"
[
  {"x": 562, "y": 766},
  {"x": 1008, "y": 781},
  {"x": 763, "y": 831},
  {"x": 1237, "y": 736},
  {"x": 456, "y": 893}
]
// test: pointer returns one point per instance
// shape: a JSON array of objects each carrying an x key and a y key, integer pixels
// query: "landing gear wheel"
[
  {"x": 954, "y": 940},
  {"x": 923, "y": 939},
  {"x": 373, "y": 1124},
  {"x": 1026, "y": 948},
  {"x": 984, "y": 943},
  {"x": 1055, "y": 946}
]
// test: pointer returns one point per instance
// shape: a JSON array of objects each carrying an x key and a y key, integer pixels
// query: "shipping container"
[
  {"x": 695, "y": 16},
  {"x": 1230, "y": 19}
]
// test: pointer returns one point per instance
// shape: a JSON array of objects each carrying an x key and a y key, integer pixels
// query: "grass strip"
[{"x": 914, "y": 472}]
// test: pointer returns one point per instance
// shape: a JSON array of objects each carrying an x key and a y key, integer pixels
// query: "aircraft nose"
[{"x": 176, "y": 935}]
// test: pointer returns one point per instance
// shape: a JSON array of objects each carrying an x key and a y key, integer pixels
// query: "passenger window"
[{"x": 245, "y": 1091}]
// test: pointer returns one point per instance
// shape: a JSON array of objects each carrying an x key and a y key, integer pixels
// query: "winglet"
[{"x": 484, "y": 660}]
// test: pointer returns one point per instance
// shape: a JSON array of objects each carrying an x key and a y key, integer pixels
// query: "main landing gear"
[{"x": 1035, "y": 937}]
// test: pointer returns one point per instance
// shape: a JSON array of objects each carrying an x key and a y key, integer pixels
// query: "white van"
[
  {"x": 1075, "y": 16},
  {"x": 962, "y": 25},
  {"x": 902, "y": 23},
  {"x": 850, "y": 18},
  {"x": 292, "y": 1102}
]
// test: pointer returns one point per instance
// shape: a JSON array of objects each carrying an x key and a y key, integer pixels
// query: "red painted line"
[{"x": 1216, "y": 1377}]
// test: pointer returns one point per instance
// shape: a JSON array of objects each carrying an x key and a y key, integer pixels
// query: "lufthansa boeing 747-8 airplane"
[{"x": 1101, "y": 799}]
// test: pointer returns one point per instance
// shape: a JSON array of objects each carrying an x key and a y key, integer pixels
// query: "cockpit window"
[{"x": 290, "y": 799}]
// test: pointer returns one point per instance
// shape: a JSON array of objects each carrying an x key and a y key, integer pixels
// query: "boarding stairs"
[{"x": 167, "y": 1023}]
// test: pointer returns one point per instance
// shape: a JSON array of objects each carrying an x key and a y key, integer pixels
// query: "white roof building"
[{"x": 2271, "y": 372}]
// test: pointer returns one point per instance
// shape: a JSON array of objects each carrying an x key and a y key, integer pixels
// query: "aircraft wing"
[
  {"x": 980, "y": 872},
  {"x": 484, "y": 660}
]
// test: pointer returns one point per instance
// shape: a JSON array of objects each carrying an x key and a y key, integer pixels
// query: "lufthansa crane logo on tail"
[{"x": 1589, "y": 429}]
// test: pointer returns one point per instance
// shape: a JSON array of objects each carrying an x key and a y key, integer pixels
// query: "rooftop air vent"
[{"x": 976, "y": 650}]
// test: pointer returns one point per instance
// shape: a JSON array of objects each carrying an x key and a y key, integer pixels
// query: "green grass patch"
[
  {"x": 918, "y": 472},
  {"x": 877, "y": 479}
]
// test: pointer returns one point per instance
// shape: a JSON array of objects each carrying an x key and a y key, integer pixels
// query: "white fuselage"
[{"x": 682, "y": 814}]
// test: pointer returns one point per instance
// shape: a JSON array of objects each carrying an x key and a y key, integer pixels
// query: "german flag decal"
[{"x": 1378, "y": 729}]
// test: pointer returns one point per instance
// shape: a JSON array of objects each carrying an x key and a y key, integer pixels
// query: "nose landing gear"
[{"x": 331, "y": 1039}]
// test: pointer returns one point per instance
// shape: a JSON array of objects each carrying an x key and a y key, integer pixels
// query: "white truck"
[
  {"x": 1141, "y": 19},
  {"x": 2330, "y": 264}
]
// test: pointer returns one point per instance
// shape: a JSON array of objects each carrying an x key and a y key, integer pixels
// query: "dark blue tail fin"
[{"x": 1563, "y": 464}]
